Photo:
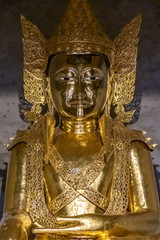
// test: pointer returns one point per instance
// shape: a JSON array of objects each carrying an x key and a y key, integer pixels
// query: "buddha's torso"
[{"x": 78, "y": 152}]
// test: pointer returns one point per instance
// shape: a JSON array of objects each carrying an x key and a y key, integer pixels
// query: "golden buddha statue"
[{"x": 81, "y": 174}]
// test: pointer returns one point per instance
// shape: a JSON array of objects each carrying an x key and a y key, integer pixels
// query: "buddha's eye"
[
  {"x": 95, "y": 78},
  {"x": 66, "y": 75},
  {"x": 91, "y": 75},
  {"x": 66, "y": 78}
]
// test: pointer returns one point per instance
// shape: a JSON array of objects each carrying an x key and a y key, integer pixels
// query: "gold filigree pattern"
[
  {"x": 121, "y": 176},
  {"x": 96, "y": 198},
  {"x": 80, "y": 182},
  {"x": 35, "y": 62},
  {"x": 76, "y": 181},
  {"x": 36, "y": 205},
  {"x": 121, "y": 142},
  {"x": 62, "y": 200},
  {"x": 80, "y": 32},
  {"x": 125, "y": 68},
  {"x": 115, "y": 203}
]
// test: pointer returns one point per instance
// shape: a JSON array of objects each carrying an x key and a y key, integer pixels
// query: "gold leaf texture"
[
  {"x": 125, "y": 66},
  {"x": 35, "y": 62}
]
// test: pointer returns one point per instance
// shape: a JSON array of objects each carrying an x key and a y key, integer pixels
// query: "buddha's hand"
[
  {"x": 85, "y": 222},
  {"x": 15, "y": 225}
]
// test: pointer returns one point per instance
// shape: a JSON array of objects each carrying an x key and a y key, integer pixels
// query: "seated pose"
[{"x": 76, "y": 172}]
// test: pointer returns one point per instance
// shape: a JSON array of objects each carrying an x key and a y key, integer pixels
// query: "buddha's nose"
[{"x": 79, "y": 92}]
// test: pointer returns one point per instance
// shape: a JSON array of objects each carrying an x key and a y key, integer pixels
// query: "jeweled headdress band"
[{"x": 78, "y": 33}]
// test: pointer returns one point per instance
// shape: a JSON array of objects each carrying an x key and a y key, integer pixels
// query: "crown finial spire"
[{"x": 80, "y": 32}]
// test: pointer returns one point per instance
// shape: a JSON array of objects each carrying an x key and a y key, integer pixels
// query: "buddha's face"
[{"x": 78, "y": 85}]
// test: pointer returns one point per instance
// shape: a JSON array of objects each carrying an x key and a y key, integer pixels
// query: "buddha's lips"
[
  {"x": 78, "y": 104},
  {"x": 83, "y": 104}
]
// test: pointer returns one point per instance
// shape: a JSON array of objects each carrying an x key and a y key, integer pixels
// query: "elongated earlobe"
[{"x": 48, "y": 96}]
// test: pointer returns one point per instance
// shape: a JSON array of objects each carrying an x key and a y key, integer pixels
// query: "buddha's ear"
[
  {"x": 35, "y": 63},
  {"x": 125, "y": 68}
]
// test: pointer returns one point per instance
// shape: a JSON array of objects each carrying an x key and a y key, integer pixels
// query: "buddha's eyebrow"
[
  {"x": 96, "y": 70},
  {"x": 66, "y": 69}
]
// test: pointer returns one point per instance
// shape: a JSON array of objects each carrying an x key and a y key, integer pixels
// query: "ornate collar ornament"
[{"x": 80, "y": 33}]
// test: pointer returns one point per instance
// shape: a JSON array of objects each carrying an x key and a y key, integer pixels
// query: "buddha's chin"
[
  {"x": 79, "y": 118},
  {"x": 80, "y": 113}
]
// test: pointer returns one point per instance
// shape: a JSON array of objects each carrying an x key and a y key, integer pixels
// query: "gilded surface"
[
  {"x": 34, "y": 67},
  {"x": 125, "y": 68},
  {"x": 83, "y": 174}
]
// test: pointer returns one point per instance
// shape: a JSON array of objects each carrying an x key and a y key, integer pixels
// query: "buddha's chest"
[{"x": 73, "y": 178}]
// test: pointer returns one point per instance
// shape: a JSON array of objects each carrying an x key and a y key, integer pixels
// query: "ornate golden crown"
[{"x": 79, "y": 33}]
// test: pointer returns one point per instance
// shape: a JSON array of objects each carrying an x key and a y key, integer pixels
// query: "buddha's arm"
[
  {"x": 16, "y": 179},
  {"x": 143, "y": 217},
  {"x": 16, "y": 222},
  {"x": 143, "y": 191}
]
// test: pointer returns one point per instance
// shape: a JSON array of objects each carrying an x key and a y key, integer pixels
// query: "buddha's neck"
[{"x": 79, "y": 127}]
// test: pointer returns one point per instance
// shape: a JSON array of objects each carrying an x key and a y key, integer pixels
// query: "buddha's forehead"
[{"x": 77, "y": 61}]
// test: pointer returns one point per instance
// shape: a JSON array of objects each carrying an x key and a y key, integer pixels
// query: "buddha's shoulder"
[
  {"x": 139, "y": 141},
  {"x": 20, "y": 141},
  {"x": 136, "y": 134},
  {"x": 34, "y": 131}
]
